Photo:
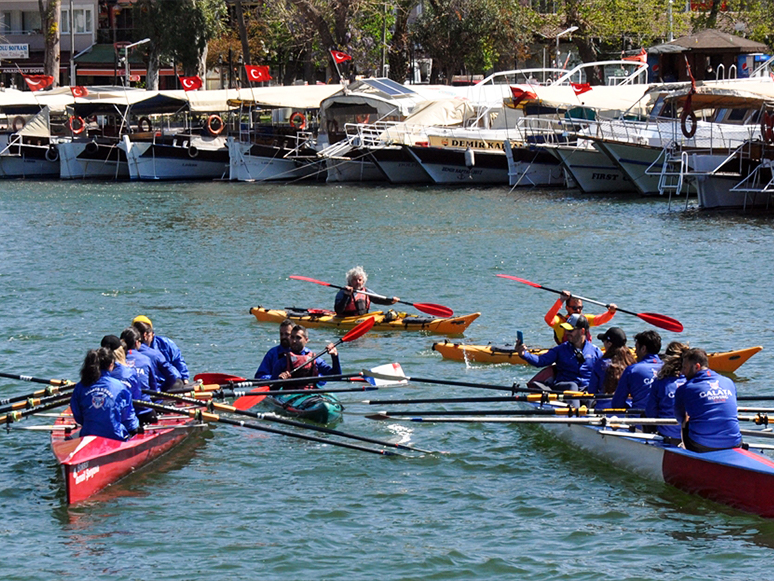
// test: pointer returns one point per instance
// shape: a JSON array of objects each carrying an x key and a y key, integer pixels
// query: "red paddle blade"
[
  {"x": 213, "y": 378},
  {"x": 662, "y": 321},
  {"x": 433, "y": 309},
  {"x": 359, "y": 331},
  {"x": 247, "y": 401},
  {"x": 524, "y": 280},
  {"x": 307, "y": 279}
]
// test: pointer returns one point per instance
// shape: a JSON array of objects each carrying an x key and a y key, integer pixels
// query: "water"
[{"x": 79, "y": 260}]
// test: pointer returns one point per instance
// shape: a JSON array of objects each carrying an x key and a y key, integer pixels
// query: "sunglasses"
[{"x": 575, "y": 308}]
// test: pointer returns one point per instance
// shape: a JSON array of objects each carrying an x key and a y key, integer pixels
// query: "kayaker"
[
  {"x": 166, "y": 347},
  {"x": 554, "y": 318},
  {"x": 144, "y": 366},
  {"x": 608, "y": 369},
  {"x": 661, "y": 402},
  {"x": 167, "y": 376},
  {"x": 636, "y": 379},
  {"x": 299, "y": 354},
  {"x": 130, "y": 377},
  {"x": 101, "y": 404},
  {"x": 351, "y": 301},
  {"x": 705, "y": 405},
  {"x": 277, "y": 352},
  {"x": 574, "y": 358}
]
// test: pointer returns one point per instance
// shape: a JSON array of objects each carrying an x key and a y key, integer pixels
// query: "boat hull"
[
  {"x": 383, "y": 322},
  {"x": 91, "y": 159},
  {"x": 262, "y": 163},
  {"x": 321, "y": 408},
  {"x": 178, "y": 160},
  {"x": 446, "y": 165},
  {"x": 593, "y": 171}
]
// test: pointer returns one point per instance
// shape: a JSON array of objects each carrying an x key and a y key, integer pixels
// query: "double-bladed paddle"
[
  {"x": 655, "y": 319},
  {"x": 429, "y": 308}
]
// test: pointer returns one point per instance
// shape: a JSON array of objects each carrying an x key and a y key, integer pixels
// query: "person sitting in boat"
[
  {"x": 141, "y": 363},
  {"x": 608, "y": 369},
  {"x": 166, "y": 347},
  {"x": 101, "y": 404},
  {"x": 661, "y": 402},
  {"x": 636, "y": 379},
  {"x": 130, "y": 377},
  {"x": 167, "y": 376},
  {"x": 705, "y": 405},
  {"x": 574, "y": 358},
  {"x": 351, "y": 300},
  {"x": 277, "y": 352},
  {"x": 554, "y": 318},
  {"x": 301, "y": 362}
]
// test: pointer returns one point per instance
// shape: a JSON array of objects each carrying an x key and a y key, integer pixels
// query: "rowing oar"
[
  {"x": 654, "y": 319},
  {"x": 32, "y": 402},
  {"x": 395, "y": 377},
  {"x": 565, "y": 411},
  {"x": 248, "y": 401},
  {"x": 214, "y": 381},
  {"x": 429, "y": 308},
  {"x": 545, "y": 396},
  {"x": 591, "y": 420},
  {"x": 202, "y": 415},
  {"x": 19, "y": 415},
  {"x": 275, "y": 419},
  {"x": 54, "y": 386}
]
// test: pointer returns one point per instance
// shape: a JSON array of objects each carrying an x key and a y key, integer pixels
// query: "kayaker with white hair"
[{"x": 352, "y": 301}]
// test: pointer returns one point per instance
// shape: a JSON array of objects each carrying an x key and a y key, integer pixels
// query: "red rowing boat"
[{"x": 92, "y": 463}]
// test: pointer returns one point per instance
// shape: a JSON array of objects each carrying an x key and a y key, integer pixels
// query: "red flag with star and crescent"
[
  {"x": 257, "y": 73},
  {"x": 580, "y": 88},
  {"x": 38, "y": 82},
  {"x": 340, "y": 57},
  {"x": 191, "y": 83},
  {"x": 79, "y": 91},
  {"x": 520, "y": 94}
]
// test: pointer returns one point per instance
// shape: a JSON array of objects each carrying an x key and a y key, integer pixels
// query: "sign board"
[{"x": 14, "y": 51}]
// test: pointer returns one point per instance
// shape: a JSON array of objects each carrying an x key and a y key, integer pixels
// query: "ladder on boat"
[{"x": 674, "y": 167}]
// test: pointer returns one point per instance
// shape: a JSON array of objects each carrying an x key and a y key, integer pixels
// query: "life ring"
[
  {"x": 193, "y": 151},
  {"x": 297, "y": 120},
  {"x": 144, "y": 124},
  {"x": 18, "y": 123},
  {"x": 76, "y": 124},
  {"x": 91, "y": 147},
  {"x": 364, "y": 118},
  {"x": 688, "y": 114},
  {"x": 218, "y": 125},
  {"x": 52, "y": 153},
  {"x": 333, "y": 126}
]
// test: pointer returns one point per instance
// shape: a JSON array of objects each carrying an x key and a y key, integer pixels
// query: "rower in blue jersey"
[
  {"x": 636, "y": 380},
  {"x": 277, "y": 352},
  {"x": 130, "y": 377},
  {"x": 661, "y": 402},
  {"x": 608, "y": 369},
  {"x": 166, "y": 347},
  {"x": 706, "y": 406},
  {"x": 168, "y": 377},
  {"x": 574, "y": 358},
  {"x": 145, "y": 368},
  {"x": 301, "y": 362},
  {"x": 101, "y": 404}
]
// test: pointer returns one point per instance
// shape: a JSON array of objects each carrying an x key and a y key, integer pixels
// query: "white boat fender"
[{"x": 470, "y": 158}]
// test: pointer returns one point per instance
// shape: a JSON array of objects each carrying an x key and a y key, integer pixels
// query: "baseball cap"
[
  {"x": 615, "y": 335},
  {"x": 111, "y": 342},
  {"x": 142, "y": 319},
  {"x": 575, "y": 321}
]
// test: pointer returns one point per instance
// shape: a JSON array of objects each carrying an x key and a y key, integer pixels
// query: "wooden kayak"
[
  {"x": 322, "y": 408},
  {"x": 723, "y": 362},
  {"x": 92, "y": 463},
  {"x": 385, "y": 320}
]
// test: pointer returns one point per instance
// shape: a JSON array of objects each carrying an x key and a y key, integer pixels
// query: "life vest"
[
  {"x": 294, "y": 360},
  {"x": 357, "y": 304}
]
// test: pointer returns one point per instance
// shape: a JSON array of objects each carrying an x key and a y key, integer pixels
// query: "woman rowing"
[
  {"x": 661, "y": 402},
  {"x": 352, "y": 301},
  {"x": 101, "y": 404},
  {"x": 130, "y": 377},
  {"x": 608, "y": 369}
]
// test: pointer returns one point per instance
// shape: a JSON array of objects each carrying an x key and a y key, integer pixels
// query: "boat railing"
[
  {"x": 368, "y": 134},
  {"x": 761, "y": 179}
]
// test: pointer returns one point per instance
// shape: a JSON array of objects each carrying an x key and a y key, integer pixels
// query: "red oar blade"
[
  {"x": 662, "y": 321},
  {"x": 433, "y": 309},
  {"x": 247, "y": 401},
  {"x": 359, "y": 331},
  {"x": 307, "y": 279},
  {"x": 216, "y": 378},
  {"x": 524, "y": 280}
]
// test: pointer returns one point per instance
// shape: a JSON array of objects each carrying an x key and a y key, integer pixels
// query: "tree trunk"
[
  {"x": 50, "y": 21},
  {"x": 152, "y": 78},
  {"x": 398, "y": 55},
  {"x": 240, "y": 14}
]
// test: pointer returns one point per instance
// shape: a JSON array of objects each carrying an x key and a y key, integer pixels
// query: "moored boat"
[
  {"x": 322, "y": 408},
  {"x": 723, "y": 362},
  {"x": 384, "y": 320},
  {"x": 92, "y": 463}
]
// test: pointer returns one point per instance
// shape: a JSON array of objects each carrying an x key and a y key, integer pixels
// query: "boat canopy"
[
  {"x": 39, "y": 125},
  {"x": 292, "y": 96},
  {"x": 750, "y": 95},
  {"x": 441, "y": 113}
]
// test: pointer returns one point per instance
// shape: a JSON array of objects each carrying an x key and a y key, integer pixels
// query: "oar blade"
[
  {"x": 307, "y": 279},
  {"x": 215, "y": 378},
  {"x": 434, "y": 310},
  {"x": 247, "y": 401},
  {"x": 360, "y": 330},
  {"x": 662, "y": 321},
  {"x": 384, "y": 375},
  {"x": 522, "y": 280}
]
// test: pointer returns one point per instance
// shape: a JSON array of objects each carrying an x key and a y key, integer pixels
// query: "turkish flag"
[
  {"x": 79, "y": 91},
  {"x": 340, "y": 57},
  {"x": 257, "y": 73},
  {"x": 191, "y": 83},
  {"x": 38, "y": 82},
  {"x": 580, "y": 88},
  {"x": 520, "y": 94}
]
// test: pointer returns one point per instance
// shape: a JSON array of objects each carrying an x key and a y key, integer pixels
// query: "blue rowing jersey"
[
  {"x": 171, "y": 353},
  {"x": 166, "y": 374},
  {"x": 571, "y": 364},
  {"x": 635, "y": 382},
  {"x": 145, "y": 369},
  {"x": 661, "y": 403},
  {"x": 273, "y": 355},
  {"x": 709, "y": 400},
  {"x": 104, "y": 409}
]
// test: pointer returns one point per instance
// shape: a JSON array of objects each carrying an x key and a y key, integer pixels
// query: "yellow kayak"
[
  {"x": 725, "y": 361},
  {"x": 384, "y": 320}
]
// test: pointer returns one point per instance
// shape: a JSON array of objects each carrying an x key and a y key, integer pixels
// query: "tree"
[{"x": 50, "y": 16}]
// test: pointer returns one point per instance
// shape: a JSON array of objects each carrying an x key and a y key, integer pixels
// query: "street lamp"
[
  {"x": 126, "y": 57},
  {"x": 568, "y": 31}
]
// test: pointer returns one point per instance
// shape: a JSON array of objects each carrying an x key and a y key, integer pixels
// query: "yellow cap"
[{"x": 142, "y": 319}]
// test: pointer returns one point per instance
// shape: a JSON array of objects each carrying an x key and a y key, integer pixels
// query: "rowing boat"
[
  {"x": 384, "y": 320},
  {"x": 322, "y": 408},
  {"x": 723, "y": 362},
  {"x": 92, "y": 463}
]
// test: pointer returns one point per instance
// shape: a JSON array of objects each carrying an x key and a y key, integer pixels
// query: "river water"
[{"x": 80, "y": 260}]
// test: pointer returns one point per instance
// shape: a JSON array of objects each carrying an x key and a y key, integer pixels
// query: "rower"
[
  {"x": 101, "y": 404},
  {"x": 141, "y": 363},
  {"x": 277, "y": 352},
  {"x": 636, "y": 380},
  {"x": 167, "y": 376},
  {"x": 351, "y": 301},
  {"x": 298, "y": 354},
  {"x": 706, "y": 406},
  {"x": 554, "y": 318},
  {"x": 130, "y": 377},
  {"x": 574, "y": 358},
  {"x": 166, "y": 347},
  {"x": 661, "y": 402},
  {"x": 608, "y": 369}
]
